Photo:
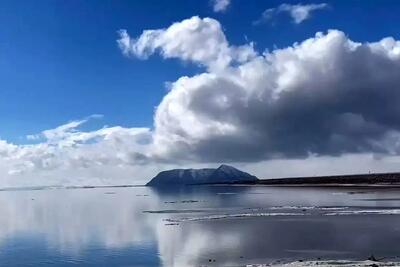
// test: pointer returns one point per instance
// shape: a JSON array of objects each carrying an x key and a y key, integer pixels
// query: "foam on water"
[
  {"x": 282, "y": 211},
  {"x": 231, "y": 216}
]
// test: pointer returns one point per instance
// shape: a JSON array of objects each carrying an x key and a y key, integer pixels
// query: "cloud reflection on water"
[{"x": 100, "y": 220}]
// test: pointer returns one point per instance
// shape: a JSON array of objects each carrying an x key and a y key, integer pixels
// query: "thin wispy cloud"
[
  {"x": 298, "y": 12},
  {"x": 220, "y": 5}
]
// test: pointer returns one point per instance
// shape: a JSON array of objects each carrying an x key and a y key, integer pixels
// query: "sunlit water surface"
[{"x": 197, "y": 226}]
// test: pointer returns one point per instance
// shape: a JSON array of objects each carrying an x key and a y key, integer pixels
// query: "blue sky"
[
  {"x": 111, "y": 92},
  {"x": 59, "y": 60}
]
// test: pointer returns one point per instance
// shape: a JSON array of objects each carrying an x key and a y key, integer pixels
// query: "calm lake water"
[{"x": 198, "y": 226}]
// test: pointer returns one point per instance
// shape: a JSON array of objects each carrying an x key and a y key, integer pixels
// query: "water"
[{"x": 198, "y": 226}]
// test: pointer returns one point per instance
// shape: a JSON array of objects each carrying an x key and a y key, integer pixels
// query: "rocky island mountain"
[{"x": 222, "y": 174}]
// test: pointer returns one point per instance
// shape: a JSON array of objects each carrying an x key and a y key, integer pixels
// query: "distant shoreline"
[{"x": 378, "y": 180}]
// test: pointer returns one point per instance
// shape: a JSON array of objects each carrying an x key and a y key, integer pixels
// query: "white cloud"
[
  {"x": 298, "y": 13},
  {"x": 67, "y": 153},
  {"x": 220, "y": 5},
  {"x": 326, "y": 95},
  {"x": 323, "y": 98},
  {"x": 200, "y": 41}
]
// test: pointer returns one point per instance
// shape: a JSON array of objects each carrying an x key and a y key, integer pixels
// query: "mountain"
[{"x": 223, "y": 174}]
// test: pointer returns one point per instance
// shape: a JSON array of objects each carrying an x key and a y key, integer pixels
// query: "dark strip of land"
[{"x": 388, "y": 179}]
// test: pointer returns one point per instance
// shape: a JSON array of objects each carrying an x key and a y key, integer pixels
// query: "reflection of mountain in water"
[{"x": 223, "y": 174}]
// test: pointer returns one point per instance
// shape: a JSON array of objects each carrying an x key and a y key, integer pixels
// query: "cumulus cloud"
[
  {"x": 220, "y": 5},
  {"x": 324, "y": 97},
  {"x": 200, "y": 41},
  {"x": 67, "y": 151},
  {"x": 298, "y": 13},
  {"x": 327, "y": 95}
]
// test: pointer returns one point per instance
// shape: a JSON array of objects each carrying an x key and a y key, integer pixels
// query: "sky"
[{"x": 111, "y": 92}]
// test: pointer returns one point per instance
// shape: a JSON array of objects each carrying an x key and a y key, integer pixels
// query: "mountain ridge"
[{"x": 223, "y": 174}]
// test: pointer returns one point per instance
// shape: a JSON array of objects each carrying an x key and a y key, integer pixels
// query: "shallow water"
[{"x": 197, "y": 226}]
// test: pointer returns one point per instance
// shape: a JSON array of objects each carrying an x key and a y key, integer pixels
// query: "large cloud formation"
[{"x": 327, "y": 95}]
